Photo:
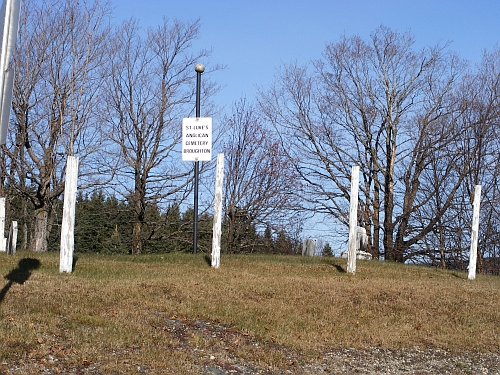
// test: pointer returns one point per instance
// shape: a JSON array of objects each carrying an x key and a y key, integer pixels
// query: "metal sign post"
[
  {"x": 197, "y": 146},
  {"x": 199, "y": 68}
]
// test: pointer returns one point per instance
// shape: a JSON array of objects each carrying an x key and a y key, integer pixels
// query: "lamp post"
[{"x": 199, "y": 68}]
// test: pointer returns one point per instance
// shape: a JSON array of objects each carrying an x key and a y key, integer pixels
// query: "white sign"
[{"x": 197, "y": 139}]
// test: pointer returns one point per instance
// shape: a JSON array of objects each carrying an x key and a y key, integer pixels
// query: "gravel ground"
[
  {"x": 376, "y": 361},
  {"x": 373, "y": 361},
  {"x": 221, "y": 360}
]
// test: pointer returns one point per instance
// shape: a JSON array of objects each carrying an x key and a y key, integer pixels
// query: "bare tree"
[
  {"x": 389, "y": 109},
  {"x": 150, "y": 90},
  {"x": 60, "y": 51},
  {"x": 481, "y": 117},
  {"x": 484, "y": 136},
  {"x": 261, "y": 185}
]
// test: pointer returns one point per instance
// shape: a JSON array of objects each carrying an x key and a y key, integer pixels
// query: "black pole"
[
  {"x": 199, "y": 68},
  {"x": 195, "y": 226}
]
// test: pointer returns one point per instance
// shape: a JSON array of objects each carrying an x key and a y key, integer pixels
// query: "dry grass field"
[{"x": 171, "y": 313}]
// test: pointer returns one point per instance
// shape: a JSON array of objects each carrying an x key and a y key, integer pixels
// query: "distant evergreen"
[
  {"x": 327, "y": 250},
  {"x": 103, "y": 224}
]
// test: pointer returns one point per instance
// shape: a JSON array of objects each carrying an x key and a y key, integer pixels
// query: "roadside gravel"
[
  {"x": 373, "y": 361},
  {"x": 227, "y": 356}
]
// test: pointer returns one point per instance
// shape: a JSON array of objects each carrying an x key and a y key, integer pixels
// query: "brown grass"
[{"x": 120, "y": 311}]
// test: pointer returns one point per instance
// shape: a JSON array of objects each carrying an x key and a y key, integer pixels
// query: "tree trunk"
[
  {"x": 389, "y": 253},
  {"x": 137, "y": 238},
  {"x": 139, "y": 211},
  {"x": 231, "y": 231},
  {"x": 24, "y": 238},
  {"x": 376, "y": 222},
  {"x": 38, "y": 241},
  {"x": 441, "y": 247}
]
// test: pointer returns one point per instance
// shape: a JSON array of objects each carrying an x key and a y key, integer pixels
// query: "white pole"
[
  {"x": 9, "y": 23},
  {"x": 68, "y": 220},
  {"x": 217, "y": 229},
  {"x": 4, "y": 28},
  {"x": 474, "y": 234},
  {"x": 2, "y": 226},
  {"x": 6, "y": 103},
  {"x": 353, "y": 221}
]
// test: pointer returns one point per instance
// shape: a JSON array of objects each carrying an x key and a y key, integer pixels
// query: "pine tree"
[{"x": 327, "y": 250}]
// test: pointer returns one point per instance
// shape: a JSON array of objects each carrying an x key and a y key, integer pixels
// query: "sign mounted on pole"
[{"x": 197, "y": 139}]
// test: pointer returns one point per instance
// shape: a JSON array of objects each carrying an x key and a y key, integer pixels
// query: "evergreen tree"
[
  {"x": 101, "y": 224},
  {"x": 327, "y": 250}
]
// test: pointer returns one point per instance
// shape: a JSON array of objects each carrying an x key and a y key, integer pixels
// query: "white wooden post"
[
  {"x": 3, "y": 240},
  {"x": 12, "y": 243},
  {"x": 474, "y": 234},
  {"x": 9, "y": 22},
  {"x": 68, "y": 220},
  {"x": 353, "y": 221},
  {"x": 217, "y": 228}
]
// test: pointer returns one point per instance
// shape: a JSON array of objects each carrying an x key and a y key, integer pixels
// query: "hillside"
[{"x": 172, "y": 313}]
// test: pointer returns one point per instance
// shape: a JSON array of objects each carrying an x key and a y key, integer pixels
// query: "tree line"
[
  {"x": 422, "y": 124},
  {"x": 104, "y": 225}
]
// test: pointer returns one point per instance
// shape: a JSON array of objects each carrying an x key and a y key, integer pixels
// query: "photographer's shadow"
[{"x": 20, "y": 274}]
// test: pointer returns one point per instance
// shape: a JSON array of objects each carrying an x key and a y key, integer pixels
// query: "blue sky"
[{"x": 253, "y": 38}]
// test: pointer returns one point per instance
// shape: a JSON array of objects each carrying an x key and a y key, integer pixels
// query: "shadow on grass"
[
  {"x": 338, "y": 267},
  {"x": 20, "y": 274},
  {"x": 208, "y": 260},
  {"x": 463, "y": 275}
]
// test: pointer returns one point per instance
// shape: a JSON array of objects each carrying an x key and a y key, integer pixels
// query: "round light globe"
[{"x": 200, "y": 68}]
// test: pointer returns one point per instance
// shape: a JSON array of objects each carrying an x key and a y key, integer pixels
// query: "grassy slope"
[{"x": 116, "y": 307}]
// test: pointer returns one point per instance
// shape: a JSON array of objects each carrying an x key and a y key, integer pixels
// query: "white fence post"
[
  {"x": 3, "y": 244},
  {"x": 217, "y": 228},
  {"x": 353, "y": 220},
  {"x": 68, "y": 220},
  {"x": 474, "y": 234},
  {"x": 9, "y": 15},
  {"x": 12, "y": 242}
]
